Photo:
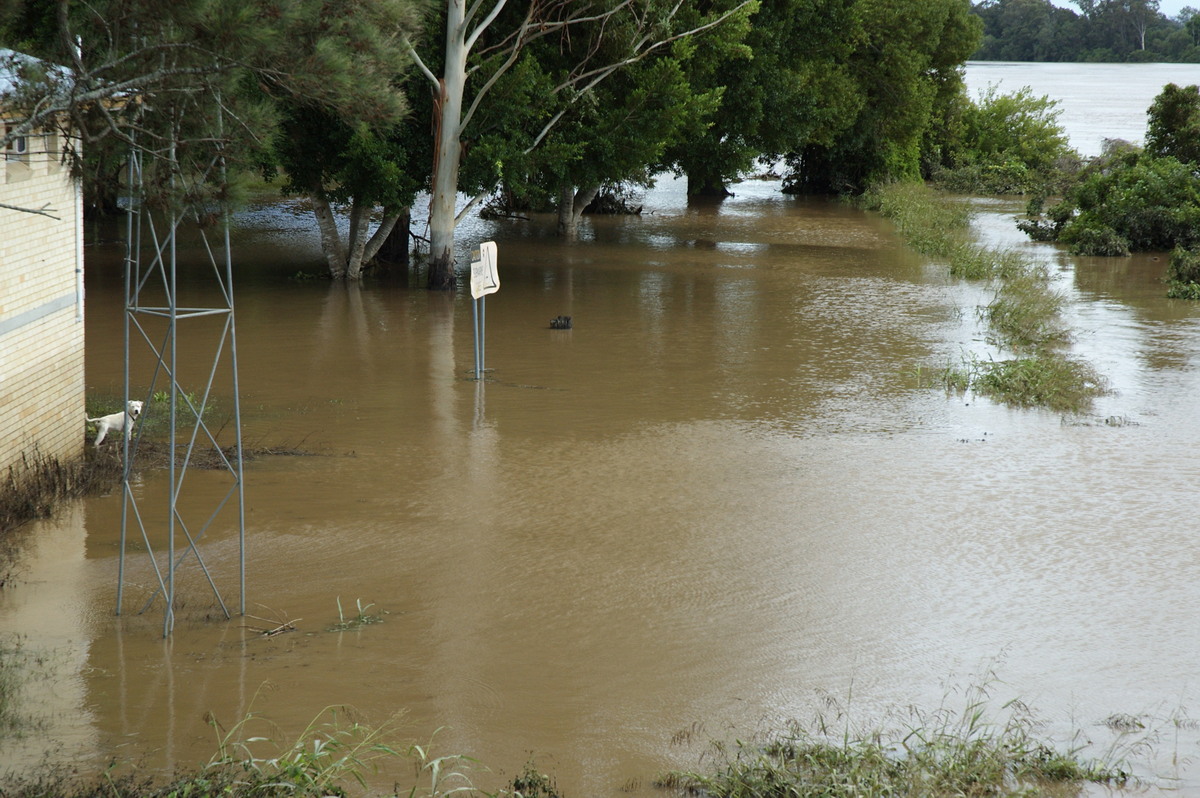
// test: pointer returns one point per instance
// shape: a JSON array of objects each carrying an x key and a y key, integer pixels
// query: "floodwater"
[
  {"x": 720, "y": 500},
  {"x": 1096, "y": 101}
]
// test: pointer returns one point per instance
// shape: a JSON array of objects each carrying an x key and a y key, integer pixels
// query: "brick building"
[{"x": 41, "y": 297}]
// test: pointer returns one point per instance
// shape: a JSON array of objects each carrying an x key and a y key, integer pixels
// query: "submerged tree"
[
  {"x": 478, "y": 49},
  {"x": 362, "y": 167},
  {"x": 786, "y": 85},
  {"x": 905, "y": 68},
  {"x": 619, "y": 132}
]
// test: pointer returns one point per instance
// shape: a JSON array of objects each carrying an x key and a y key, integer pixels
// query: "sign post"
[{"x": 484, "y": 280}]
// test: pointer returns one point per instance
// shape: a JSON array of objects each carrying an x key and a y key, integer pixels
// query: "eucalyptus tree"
[{"x": 478, "y": 51}]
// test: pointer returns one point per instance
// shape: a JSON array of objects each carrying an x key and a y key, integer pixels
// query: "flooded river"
[{"x": 721, "y": 498}]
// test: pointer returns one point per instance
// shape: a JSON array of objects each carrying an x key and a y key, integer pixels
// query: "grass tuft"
[
  {"x": 934, "y": 755},
  {"x": 1050, "y": 380},
  {"x": 360, "y": 619}
]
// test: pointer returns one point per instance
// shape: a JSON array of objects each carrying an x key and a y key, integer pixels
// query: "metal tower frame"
[{"x": 151, "y": 293}]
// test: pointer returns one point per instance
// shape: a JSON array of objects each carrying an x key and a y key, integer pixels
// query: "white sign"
[{"x": 484, "y": 278}]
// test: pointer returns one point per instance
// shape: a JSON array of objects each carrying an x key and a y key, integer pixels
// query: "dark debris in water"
[{"x": 156, "y": 454}]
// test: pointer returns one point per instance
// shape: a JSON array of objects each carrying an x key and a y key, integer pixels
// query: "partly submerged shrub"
[
  {"x": 1008, "y": 144},
  {"x": 1183, "y": 274},
  {"x": 1101, "y": 240},
  {"x": 1124, "y": 202},
  {"x": 1044, "y": 379}
]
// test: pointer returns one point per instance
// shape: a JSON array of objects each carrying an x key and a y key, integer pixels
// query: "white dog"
[{"x": 115, "y": 422}]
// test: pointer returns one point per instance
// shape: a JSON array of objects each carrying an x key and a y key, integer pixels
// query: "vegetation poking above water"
[
  {"x": 929, "y": 754},
  {"x": 18, "y": 666},
  {"x": 1024, "y": 318},
  {"x": 1133, "y": 199},
  {"x": 946, "y": 753},
  {"x": 32, "y": 487},
  {"x": 362, "y": 618}
]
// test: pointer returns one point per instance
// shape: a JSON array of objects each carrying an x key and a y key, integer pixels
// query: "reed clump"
[
  {"x": 32, "y": 487},
  {"x": 1024, "y": 317}
]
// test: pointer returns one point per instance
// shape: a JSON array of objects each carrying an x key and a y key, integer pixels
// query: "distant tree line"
[{"x": 1101, "y": 31}]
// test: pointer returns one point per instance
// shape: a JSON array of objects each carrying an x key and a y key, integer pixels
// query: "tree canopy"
[{"x": 365, "y": 104}]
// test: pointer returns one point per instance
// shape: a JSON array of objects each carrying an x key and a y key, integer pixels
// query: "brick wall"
[{"x": 41, "y": 306}]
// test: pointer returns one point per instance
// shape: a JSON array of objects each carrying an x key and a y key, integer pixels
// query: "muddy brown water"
[{"x": 718, "y": 502}]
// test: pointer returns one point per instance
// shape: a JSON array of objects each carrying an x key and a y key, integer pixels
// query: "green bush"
[
  {"x": 1128, "y": 202},
  {"x": 1009, "y": 144},
  {"x": 1173, "y": 124},
  {"x": 1016, "y": 128},
  {"x": 1099, "y": 240},
  {"x": 1183, "y": 274}
]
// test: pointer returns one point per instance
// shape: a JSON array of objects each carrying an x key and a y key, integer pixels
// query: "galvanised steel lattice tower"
[{"x": 155, "y": 325}]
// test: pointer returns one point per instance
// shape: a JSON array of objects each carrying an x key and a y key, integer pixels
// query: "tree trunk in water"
[
  {"x": 394, "y": 248},
  {"x": 571, "y": 205},
  {"x": 707, "y": 187},
  {"x": 358, "y": 242},
  {"x": 567, "y": 227},
  {"x": 347, "y": 262},
  {"x": 331, "y": 241},
  {"x": 447, "y": 116}
]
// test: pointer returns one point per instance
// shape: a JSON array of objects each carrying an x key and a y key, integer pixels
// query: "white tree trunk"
[
  {"x": 448, "y": 149},
  {"x": 347, "y": 260},
  {"x": 571, "y": 205},
  {"x": 331, "y": 241},
  {"x": 357, "y": 243}
]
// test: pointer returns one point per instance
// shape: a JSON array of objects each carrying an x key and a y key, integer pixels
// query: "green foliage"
[
  {"x": 1025, "y": 316},
  {"x": 1100, "y": 240},
  {"x": 1147, "y": 203},
  {"x": 323, "y": 155},
  {"x": 1173, "y": 124},
  {"x": 333, "y": 753},
  {"x": 1127, "y": 199},
  {"x": 1045, "y": 379},
  {"x": 1007, "y": 144},
  {"x": 1183, "y": 274},
  {"x": 941, "y": 754},
  {"x": 532, "y": 783},
  {"x": 618, "y": 131},
  {"x": 905, "y": 72},
  {"x": 784, "y": 80},
  {"x": 360, "y": 619},
  {"x": 207, "y": 74}
]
